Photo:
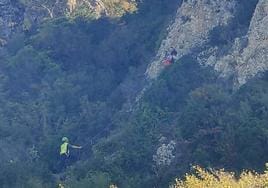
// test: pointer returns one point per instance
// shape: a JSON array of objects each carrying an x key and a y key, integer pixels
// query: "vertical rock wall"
[
  {"x": 244, "y": 56},
  {"x": 190, "y": 30},
  {"x": 254, "y": 57}
]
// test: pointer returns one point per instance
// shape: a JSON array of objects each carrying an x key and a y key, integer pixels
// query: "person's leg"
[{"x": 63, "y": 162}]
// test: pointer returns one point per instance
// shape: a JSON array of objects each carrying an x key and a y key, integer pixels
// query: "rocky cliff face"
[
  {"x": 248, "y": 54},
  {"x": 212, "y": 32},
  {"x": 253, "y": 57},
  {"x": 190, "y": 30},
  {"x": 209, "y": 30}
]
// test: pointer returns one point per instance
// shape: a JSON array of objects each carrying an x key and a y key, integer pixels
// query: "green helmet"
[{"x": 65, "y": 139}]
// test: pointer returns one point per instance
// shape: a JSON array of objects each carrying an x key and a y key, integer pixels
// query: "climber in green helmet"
[{"x": 65, "y": 152}]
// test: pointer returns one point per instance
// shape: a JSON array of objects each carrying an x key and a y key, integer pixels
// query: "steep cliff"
[
  {"x": 253, "y": 57},
  {"x": 209, "y": 30},
  {"x": 217, "y": 34},
  {"x": 190, "y": 30}
]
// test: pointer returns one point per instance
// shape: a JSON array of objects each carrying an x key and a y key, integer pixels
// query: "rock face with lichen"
[
  {"x": 248, "y": 54},
  {"x": 164, "y": 154},
  {"x": 190, "y": 30},
  {"x": 253, "y": 58},
  {"x": 213, "y": 33}
]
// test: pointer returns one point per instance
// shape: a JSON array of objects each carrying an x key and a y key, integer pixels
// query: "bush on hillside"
[{"x": 221, "y": 178}]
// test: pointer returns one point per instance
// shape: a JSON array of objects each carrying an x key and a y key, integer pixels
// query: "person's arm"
[{"x": 75, "y": 147}]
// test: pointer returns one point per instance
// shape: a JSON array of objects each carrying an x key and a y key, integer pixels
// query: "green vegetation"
[
  {"x": 76, "y": 78},
  {"x": 212, "y": 125},
  {"x": 66, "y": 78},
  {"x": 220, "y": 178}
]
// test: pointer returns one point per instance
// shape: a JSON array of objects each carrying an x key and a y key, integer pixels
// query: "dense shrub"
[{"x": 220, "y": 178}]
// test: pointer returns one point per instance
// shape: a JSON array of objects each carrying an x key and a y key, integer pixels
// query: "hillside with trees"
[{"x": 79, "y": 77}]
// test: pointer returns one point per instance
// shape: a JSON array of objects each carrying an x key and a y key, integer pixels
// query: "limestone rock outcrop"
[
  {"x": 190, "y": 30},
  {"x": 246, "y": 54},
  {"x": 254, "y": 57}
]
